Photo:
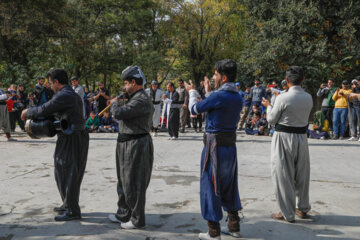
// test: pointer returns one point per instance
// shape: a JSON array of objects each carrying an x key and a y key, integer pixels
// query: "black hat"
[
  {"x": 345, "y": 82},
  {"x": 132, "y": 72}
]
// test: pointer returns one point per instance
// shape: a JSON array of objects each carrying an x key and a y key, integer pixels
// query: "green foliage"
[{"x": 321, "y": 36}]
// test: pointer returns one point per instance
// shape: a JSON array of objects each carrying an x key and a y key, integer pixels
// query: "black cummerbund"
[
  {"x": 288, "y": 129},
  {"x": 180, "y": 102},
  {"x": 225, "y": 139},
  {"x": 2, "y": 103},
  {"x": 122, "y": 137},
  {"x": 156, "y": 103}
]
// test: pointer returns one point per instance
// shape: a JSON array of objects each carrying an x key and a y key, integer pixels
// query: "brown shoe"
[
  {"x": 301, "y": 214},
  {"x": 280, "y": 217}
]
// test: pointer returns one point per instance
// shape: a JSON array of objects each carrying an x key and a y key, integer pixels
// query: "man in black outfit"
[
  {"x": 71, "y": 146},
  {"x": 101, "y": 97},
  {"x": 174, "y": 115}
]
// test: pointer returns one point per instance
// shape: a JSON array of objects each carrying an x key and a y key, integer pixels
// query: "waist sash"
[
  {"x": 212, "y": 140},
  {"x": 156, "y": 103},
  {"x": 227, "y": 139},
  {"x": 123, "y": 137},
  {"x": 288, "y": 129}
]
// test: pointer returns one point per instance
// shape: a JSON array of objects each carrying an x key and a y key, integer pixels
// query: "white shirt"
[{"x": 291, "y": 108}]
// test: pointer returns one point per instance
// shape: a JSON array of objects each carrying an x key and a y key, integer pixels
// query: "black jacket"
[{"x": 64, "y": 104}]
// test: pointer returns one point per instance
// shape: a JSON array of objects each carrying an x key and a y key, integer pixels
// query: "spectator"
[
  {"x": 246, "y": 107},
  {"x": 174, "y": 113},
  {"x": 13, "y": 111},
  {"x": 92, "y": 124},
  {"x": 107, "y": 124},
  {"x": 41, "y": 93},
  {"x": 80, "y": 91},
  {"x": 184, "y": 100},
  {"x": 254, "y": 109},
  {"x": 327, "y": 105},
  {"x": 4, "y": 114},
  {"x": 257, "y": 92},
  {"x": 196, "y": 118},
  {"x": 320, "y": 127},
  {"x": 354, "y": 118},
  {"x": 257, "y": 125},
  {"x": 101, "y": 97},
  {"x": 340, "y": 110}
]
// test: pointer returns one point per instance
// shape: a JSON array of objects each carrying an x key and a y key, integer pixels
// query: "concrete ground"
[{"x": 28, "y": 191}]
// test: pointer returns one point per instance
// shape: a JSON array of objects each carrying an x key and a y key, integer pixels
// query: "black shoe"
[
  {"x": 67, "y": 216},
  {"x": 62, "y": 208}
]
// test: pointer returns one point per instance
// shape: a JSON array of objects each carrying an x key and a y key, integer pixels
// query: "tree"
[
  {"x": 204, "y": 31},
  {"x": 321, "y": 36}
]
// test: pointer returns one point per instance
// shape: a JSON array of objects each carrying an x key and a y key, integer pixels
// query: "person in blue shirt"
[
  {"x": 219, "y": 183},
  {"x": 246, "y": 107},
  {"x": 257, "y": 93}
]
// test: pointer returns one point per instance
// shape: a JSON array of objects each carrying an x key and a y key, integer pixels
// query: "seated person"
[
  {"x": 92, "y": 124},
  {"x": 106, "y": 123},
  {"x": 321, "y": 126},
  {"x": 257, "y": 125},
  {"x": 255, "y": 108}
]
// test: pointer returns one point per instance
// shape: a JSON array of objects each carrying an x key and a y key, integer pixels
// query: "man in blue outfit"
[{"x": 219, "y": 183}]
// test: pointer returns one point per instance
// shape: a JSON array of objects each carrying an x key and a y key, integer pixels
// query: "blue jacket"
[{"x": 223, "y": 109}]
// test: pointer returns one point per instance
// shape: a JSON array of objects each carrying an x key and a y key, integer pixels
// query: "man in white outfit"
[
  {"x": 156, "y": 96},
  {"x": 290, "y": 160}
]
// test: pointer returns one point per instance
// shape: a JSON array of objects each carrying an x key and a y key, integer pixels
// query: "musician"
[
  {"x": 134, "y": 150},
  {"x": 71, "y": 148}
]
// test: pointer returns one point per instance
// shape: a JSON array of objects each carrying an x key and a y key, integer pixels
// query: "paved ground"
[{"x": 28, "y": 191}]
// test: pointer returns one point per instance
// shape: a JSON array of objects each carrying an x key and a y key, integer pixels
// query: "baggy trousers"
[
  {"x": 134, "y": 161},
  {"x": 183, "y": 117},
  {"x": 70, "y": 161},
  {"x": 227, "y": 175},
  {"x": 290, "y": 170},
  {"x": 4, "y": 118},
  {"x": 156, "y": 115},
  {"x": 173, "y": 122}
]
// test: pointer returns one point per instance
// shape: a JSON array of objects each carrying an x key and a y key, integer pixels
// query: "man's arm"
[
  {"x": 56, "y": 104},
  {"x": 273, "y": 113},
  {"x": 209, "y": 103}
]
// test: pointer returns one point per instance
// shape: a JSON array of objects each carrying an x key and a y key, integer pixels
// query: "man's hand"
[
  {"x": 353, "y": 96},
  {"x": 189, "y": 86},
  {"x": 207, "y": 85},
  {"x": 185, "y": 106},
  {"x": 23, "y": 114},
  {"x": 275, "y": 93},
  {"x": 265, "y": 102},
  {"x": 114, "y": 100}
]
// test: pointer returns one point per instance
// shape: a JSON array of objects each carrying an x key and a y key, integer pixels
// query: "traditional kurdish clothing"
[
  {"x": 183, "y": 99},
  {"x": 174, "y": 113},
  {"x": 71, "y": 148},
  {"x": 4, "y": 114},
  {"x": 290, "y": 160},
  {"x": 156, "y": 100},
  {"x": 134, "y": 156},
  {"x": 219, "y": 181}
]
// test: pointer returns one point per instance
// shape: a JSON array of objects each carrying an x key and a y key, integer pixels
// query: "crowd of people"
[
  {"x": 338, "y": 117},
  {"x": 281, "y": 112}
]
